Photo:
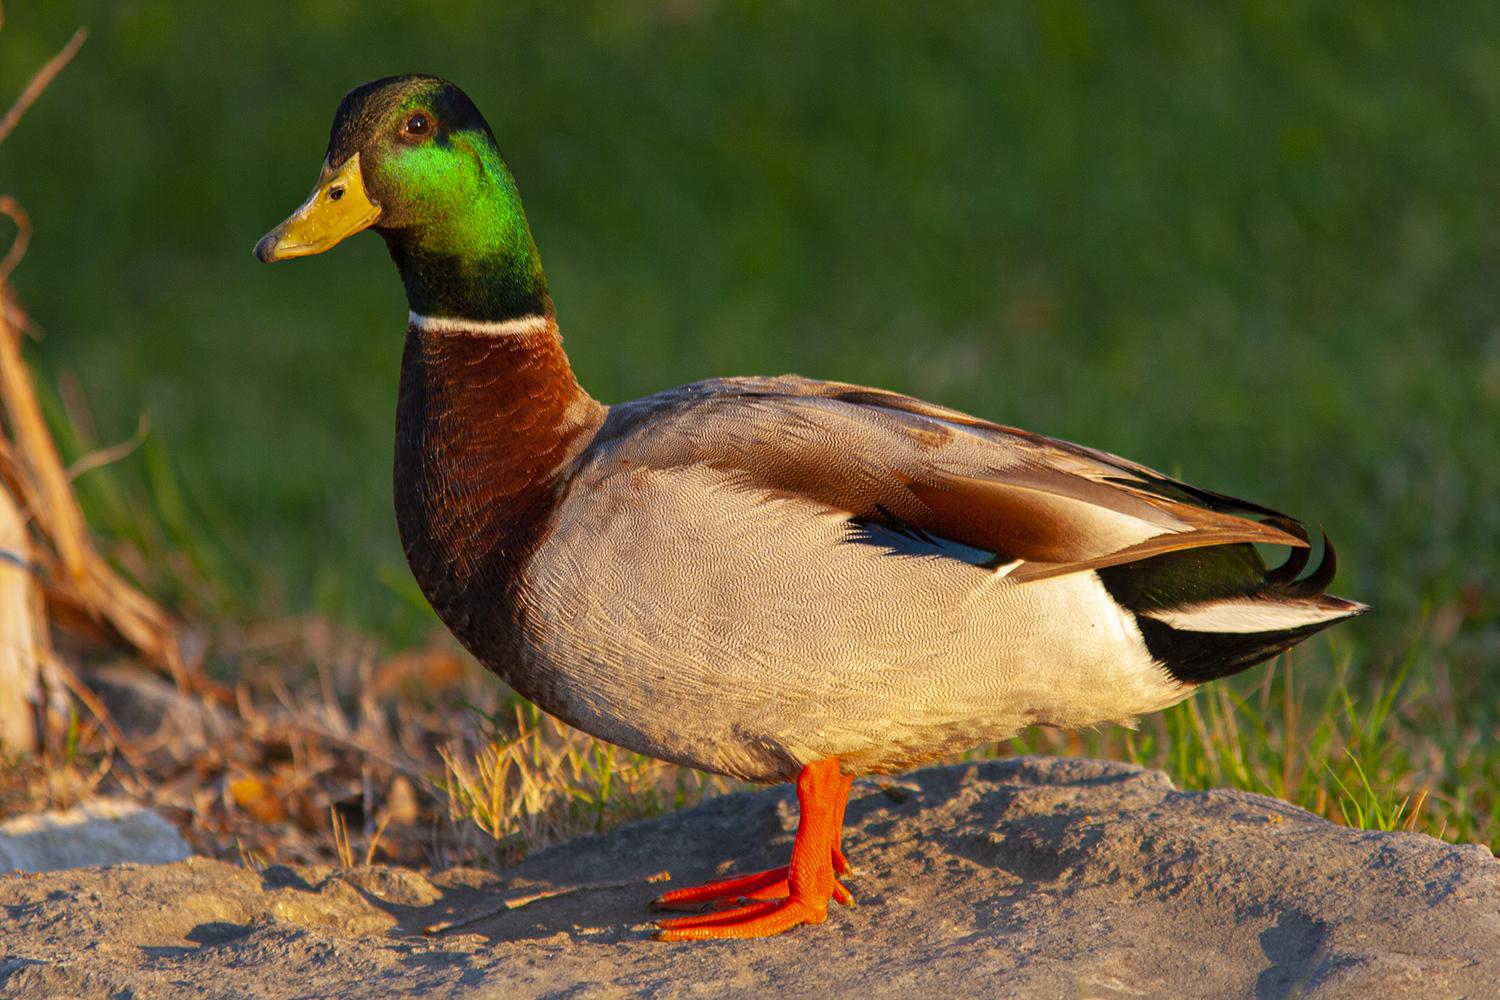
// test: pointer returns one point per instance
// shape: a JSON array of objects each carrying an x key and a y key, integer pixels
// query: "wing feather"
[{"x": 891, "y": 459}]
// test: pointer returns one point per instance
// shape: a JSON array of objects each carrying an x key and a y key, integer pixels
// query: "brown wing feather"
[
  {"x": 1058, "y": 507},
  {"x": 1060, "y": 533}
]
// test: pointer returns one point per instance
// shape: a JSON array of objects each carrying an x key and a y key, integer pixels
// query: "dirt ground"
[{"x": 1035, "y": 877}]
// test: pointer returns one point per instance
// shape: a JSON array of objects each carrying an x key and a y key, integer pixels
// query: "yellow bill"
[{"x": 337, "y": 209}]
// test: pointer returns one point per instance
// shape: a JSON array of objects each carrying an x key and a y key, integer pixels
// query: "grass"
[
  {"x": 1332, "y": 748},
  {"x": 536, "y": 781},
  {"x": 1252, "y": 244}
]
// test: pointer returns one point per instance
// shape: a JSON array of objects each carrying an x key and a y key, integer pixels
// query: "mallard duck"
[{"x": 777, "y": 579}]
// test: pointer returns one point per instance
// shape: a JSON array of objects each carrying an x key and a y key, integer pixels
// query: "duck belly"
[{"x": 687, "y": 617}]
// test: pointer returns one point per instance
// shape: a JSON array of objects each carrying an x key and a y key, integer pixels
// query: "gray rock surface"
[
  {"x": 1025, "y": 878},
  {"x": 97, "y": 832}
]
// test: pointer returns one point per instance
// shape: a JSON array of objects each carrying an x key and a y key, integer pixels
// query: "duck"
[{"x": 778, "y": 579}]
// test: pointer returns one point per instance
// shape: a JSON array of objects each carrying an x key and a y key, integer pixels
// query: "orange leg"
[{"x": 784, "y": 897}]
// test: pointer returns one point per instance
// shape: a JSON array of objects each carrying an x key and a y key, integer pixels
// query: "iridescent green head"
[{"x": 412, "y": 158}]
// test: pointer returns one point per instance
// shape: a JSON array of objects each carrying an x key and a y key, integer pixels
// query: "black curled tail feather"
[{"x": 1229, "y": 583}]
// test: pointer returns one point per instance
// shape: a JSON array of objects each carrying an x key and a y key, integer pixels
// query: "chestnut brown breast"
[{"x": 486, "y": 428}]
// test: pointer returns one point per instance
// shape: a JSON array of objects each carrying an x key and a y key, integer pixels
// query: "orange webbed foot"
[
  {"x": 762, "y": 918},
  {"x": 779, "y": 898},
  {"x": 769, "y": 884}
]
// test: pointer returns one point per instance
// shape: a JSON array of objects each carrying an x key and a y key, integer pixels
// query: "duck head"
[{"x": 412, "y": 158}]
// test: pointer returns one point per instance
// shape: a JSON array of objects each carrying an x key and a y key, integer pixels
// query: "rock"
[
  {"x": 1026, "y": 878},
  {"x": 98, "y": 832}
]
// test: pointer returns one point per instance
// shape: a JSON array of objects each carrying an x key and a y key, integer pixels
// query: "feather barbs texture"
[
  {"x": 887, "y": 457},
  {"x": 740, "y": 630}
]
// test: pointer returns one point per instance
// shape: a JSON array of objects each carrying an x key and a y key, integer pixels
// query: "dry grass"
[{"x": 537, "y": 781}]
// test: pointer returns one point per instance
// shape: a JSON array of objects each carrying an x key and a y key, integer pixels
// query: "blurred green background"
[{"x": 1254, "y": 244}]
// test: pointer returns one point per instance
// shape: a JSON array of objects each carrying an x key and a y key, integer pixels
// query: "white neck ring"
[{"x": 521, "y": 326}]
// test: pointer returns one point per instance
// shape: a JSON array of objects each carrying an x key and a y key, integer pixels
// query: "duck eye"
[{"x": 418, "y": 125}]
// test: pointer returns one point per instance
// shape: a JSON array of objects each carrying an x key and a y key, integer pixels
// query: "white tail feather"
[{"x": 1245, "y": 615}]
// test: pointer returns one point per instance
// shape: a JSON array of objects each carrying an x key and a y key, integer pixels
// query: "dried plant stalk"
[
  {"x": 45, "y": 549},
  {"x": 40, "y": 82},
  {"x": 77, "y": 574},
  {"x": 20, "y": 632}
]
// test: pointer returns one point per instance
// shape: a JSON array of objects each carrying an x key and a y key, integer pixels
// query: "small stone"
[{"x": 97, "y": 832}]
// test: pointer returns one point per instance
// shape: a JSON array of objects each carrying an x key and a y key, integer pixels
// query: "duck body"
[
  {"x": 771, "y": 578},
  {"x": 720, "y": 575}
]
